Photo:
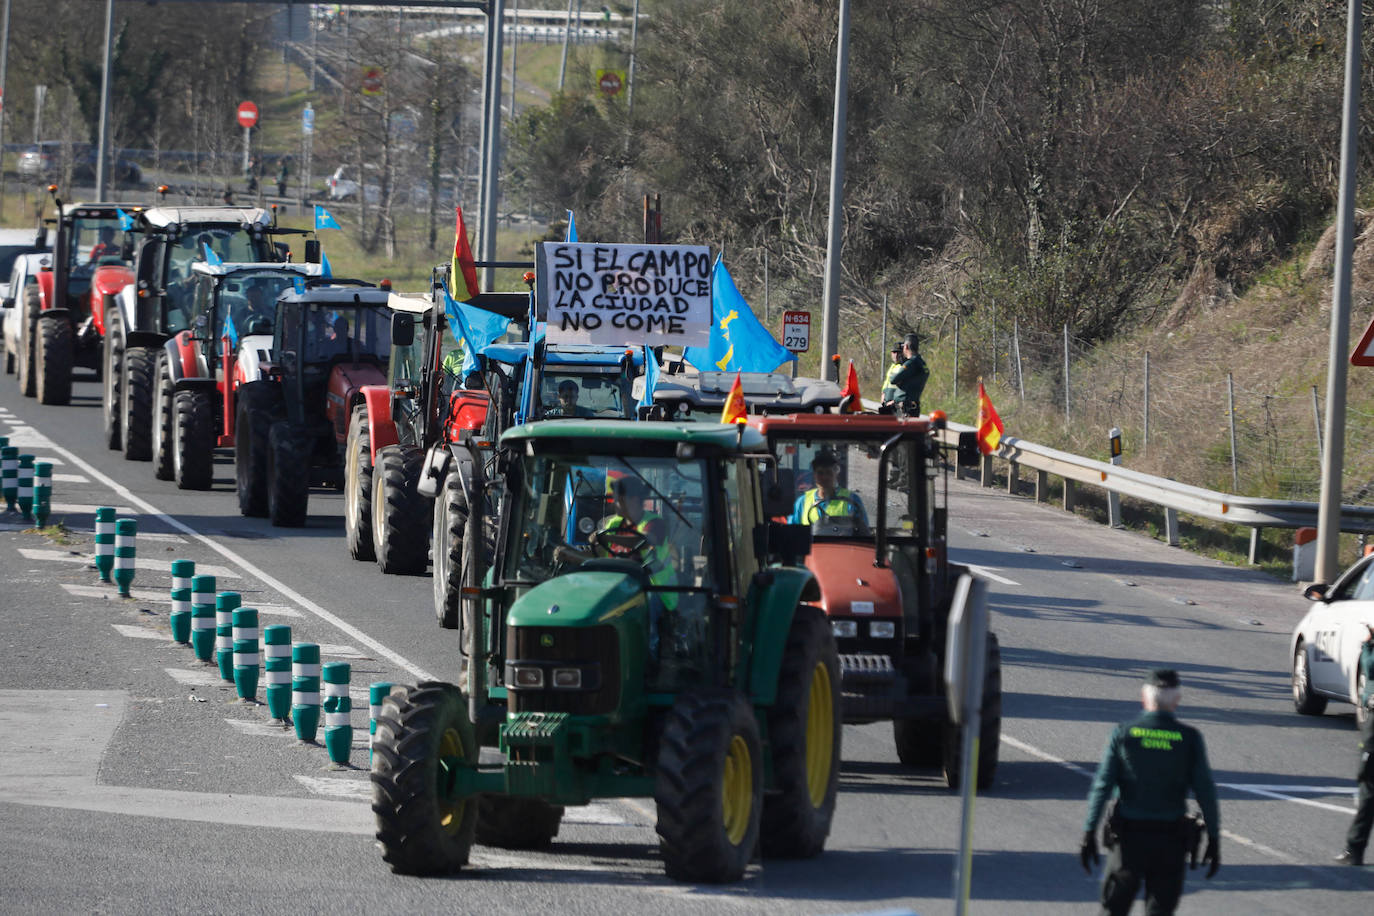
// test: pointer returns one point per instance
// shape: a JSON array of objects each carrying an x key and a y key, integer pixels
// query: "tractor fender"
[
  {"x": 124, "y": 302},
  {"x": 184, "y": 360},
  {"x": 44, "y": 280},
  {"x": 380, "y": 428},
  {"x": 468, "y": 468},
  {"x": 55, "y": 313},
  {"x": 109, "y": 279},
  {"x": 773, "y": 599},
  {"x": 434, "y": 469}
]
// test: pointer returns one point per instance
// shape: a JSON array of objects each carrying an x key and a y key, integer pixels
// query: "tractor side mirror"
[
  {"x": 126, "y": 251},
  {"x": 312, "y": 251},
  {"x": 969, "y": 455},
  {"x": 283, "y": 251},
  {"x": 402, "y": 329}
]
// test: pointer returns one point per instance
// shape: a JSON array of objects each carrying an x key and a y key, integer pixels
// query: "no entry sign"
[{"x": 248, "y": 114}]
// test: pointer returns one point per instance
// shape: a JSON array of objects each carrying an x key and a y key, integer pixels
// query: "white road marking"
[
  {"x": 986, "y": 572},
  {"x": 83, "y": 509},
  {"x": 334, "y": 651},
  {"x": 139, "y": 632},
  {"x": 596, "y": 813},
  {"x": 261, "y": 575},
  {"x": 146, "y": 595},
  {"x": 1284, "y": 796},
  {"x": 260, "y": 729},
  {"x": 70, "y": 478},
  {"x": 334, "y": 787},
  {"x": 65, "y": 556},
  {"x": 1244, "y": 841},
  {"x": 192, "y": 677}
]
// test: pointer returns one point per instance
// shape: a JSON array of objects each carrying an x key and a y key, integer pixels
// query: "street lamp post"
[{"x": 830, "y": 326}]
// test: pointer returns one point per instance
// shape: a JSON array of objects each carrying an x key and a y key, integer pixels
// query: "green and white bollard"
[
  {"x": 42, "y": 492},
  {"x": 276, "y": 663},
  {"x": 26, "y": 487},
  {"x": 338, "y": 710},
  {"x": 9, "y": 475},
  {"x": 305, "y": 690},
  {"x": 203, "y": 617},
  {"x": 126, "y": 535},
  {"x": 104, "y": 541},
  {"x": 226, "y": 603},
  {"x": 246, "y": 657},
  {"x": 180, "y": 617},
  {"x": 377, "y": 691}
]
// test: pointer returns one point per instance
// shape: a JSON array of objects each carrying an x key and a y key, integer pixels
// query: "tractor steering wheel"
[{"x": 624, "y": 545}]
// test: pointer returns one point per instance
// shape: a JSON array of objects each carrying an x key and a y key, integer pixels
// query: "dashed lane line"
[
  {"x": 158, "y": 596},
  {"x": 133, "y": 632},
  {"x": 66, "y": 556}
]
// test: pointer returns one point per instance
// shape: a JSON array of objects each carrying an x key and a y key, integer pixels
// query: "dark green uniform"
[
  {"x": 910, "y": 381},
  {"x": 1358, "y": 836},
  {"x": 1150, "y": 764}
]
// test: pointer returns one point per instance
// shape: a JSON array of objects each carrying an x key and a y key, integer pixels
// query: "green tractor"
[{"x": 661, "y": 646}]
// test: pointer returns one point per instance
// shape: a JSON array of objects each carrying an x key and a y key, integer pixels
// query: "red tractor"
[
  {"x": 63, "y": 323},
  {"x": 874, "y": 490}
]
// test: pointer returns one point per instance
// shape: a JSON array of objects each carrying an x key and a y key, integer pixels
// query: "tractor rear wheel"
[
  {"x": 989, "y": 732},
  {"x": 450, "y": 525},
  {"x": 193, "y": 448},
  {"x": 28, "y": 342},
  {"x": 422, "y": 736},
  {"x": 288, "y": 475},
  {"x": 164, "y": 395},
  {"x": 111, "y": 366},
  {"x": 399, "y": 533},
  {"x": 253, "y": 415},
  {"x": 804, "y": 728},
  {"x": 709, "y": 787},
  {"x": 920, "y": 742},
  {"x": 358, "y": 486},
  {"x": 55, "y": 355},
  {"x": 516, "y": 822},
  {"x": 136, "y": 402}
]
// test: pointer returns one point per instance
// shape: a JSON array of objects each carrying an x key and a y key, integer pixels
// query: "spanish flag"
[
  {"x": 463, "y": 278},
  {"x": 989, "y": 424},
  {"x": 734, "y": 410},
  {"x": 851, "y": 391}
]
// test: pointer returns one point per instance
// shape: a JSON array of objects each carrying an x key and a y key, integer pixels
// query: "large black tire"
[
  {"x": 1305, "y": 699},
  {"x": 989, "y": 732},
  {"x": 516, "y": 822},
  {"x": 920, "y": 742},
  {"x": 804, "y": 729},
  {"x": 422, "y": 830},
  {"x": 399, "y": 533},
  {"x": 55, "y": 353},
  {"x": 28, "y": 342},
  {"x": 358, "y": 486},
  {"x": 288, "y": 475},
  {"x": 709, "y": 787},
  {"x": 164, "y": 395},
  {"x": 450, "y": 526},
  {"x": 254, "y": 412},
  {"x": 136, "y": 400},
  {"x": 111, "y": 370},
  {"x": 11, "y": 362},
  {"x": 194, "y": 437}
]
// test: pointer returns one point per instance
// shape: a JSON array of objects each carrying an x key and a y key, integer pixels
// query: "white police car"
[{"x": 1325, "y": 647}]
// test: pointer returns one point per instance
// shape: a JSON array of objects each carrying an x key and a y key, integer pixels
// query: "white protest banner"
[{"x": 622, "y": 295}]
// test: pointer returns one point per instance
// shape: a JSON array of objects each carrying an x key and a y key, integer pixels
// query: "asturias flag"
[
  {"x": 989, "y": 424},
  {"x": 572, "y": 228},
  {"x": 325, "y": 220},
  {"x": 855, "y": 403},
  {"x": 734, "y": 410},
  {"x": 462, "y": 279},
  {"x": 739, "y": 343}
]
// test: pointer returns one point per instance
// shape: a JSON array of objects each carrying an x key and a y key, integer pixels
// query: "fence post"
[
  {"x": 1317, "y": 418},
  {"x": 1145, "y": 439},
  {"x": 955, "y": 395},
  {"x": 1066, "y": 372},
  {"x": 1016, "y": 347},
  {"x": 1113, "y": 497},
  {"x": 1231, "y": 415}
]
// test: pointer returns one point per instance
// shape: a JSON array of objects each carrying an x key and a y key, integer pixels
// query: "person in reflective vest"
[
  {"x": 828, "y": 500},
  {"x": 890, "y": 391},
  {"x": 652, "y": 549}
]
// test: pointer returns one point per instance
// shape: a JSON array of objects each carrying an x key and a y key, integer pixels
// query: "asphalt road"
[{"x": 131, "y": 780}]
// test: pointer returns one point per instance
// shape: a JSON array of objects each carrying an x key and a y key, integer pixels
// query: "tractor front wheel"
[
  {"x": 111, "y": 365},
  {"x": 450, "y": 523},
  {"x": 358, "y": 486},
  {"x": 164, "y": 395},
  {"x": 804, "y": 728},
  {"x": 399, "y": 533},
  {"x": 288, "y": 475},
  {"x": 423, "y": 738},
  {"x": 55, "y": 352},
  {"x": 989, "y": 732},
  {"x": 28, "y": 342},
  {"x": 193, "y": 434},
  {"x": 709, "y": 787},
  {"x": 136, "y": 403}
]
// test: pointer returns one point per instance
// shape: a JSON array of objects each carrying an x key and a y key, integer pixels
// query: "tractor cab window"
[
  {"x": 94, "y": 241},
  {"x": 832, "y": 485},
  {"x": 345, "y": 333},
  {"x": 601, "y": 395},
  {"x": 408, "y": 362},
  {"x": 247, "y": 301}
]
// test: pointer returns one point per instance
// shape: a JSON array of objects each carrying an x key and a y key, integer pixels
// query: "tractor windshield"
[
  {"x": 603, "y": 395},
  {"x": 94, "y": 241},
  {"x": 832, "y": 485},
  {"x": 343, "y": 333},
  {"x": 247, "y": 301}
]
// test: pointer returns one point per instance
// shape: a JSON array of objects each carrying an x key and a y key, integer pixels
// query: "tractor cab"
[{"x": 90, "y": 236}]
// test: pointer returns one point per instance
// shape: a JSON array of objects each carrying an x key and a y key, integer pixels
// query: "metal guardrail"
[{"x": 1172, "y": 496}]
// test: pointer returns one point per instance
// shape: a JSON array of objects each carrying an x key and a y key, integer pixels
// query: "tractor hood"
[
  {"x": 850, "y": 584},
  {"x": 581, "y": 599},
  {"x": 349, "y": 377}
]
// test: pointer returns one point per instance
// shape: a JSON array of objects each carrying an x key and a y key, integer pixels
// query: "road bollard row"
[
  {"x": 126, "y": 533},
  {"x": 338, "y": 712},
  {"x": 104, "y": 541}
]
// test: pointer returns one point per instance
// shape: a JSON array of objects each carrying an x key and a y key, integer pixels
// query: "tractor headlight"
[
  {"x": 567, "y": 678},
  {"x": 529, "y": 677},
  {"x": 844, "y": 629},
  {"x": 882, "y": 629}
]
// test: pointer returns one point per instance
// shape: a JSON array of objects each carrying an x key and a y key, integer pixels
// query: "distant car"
[
  {"x": 22, "y": 268},
  {"x": 343, "y": 185},
  {"x": 44, "y": 161},
  {"x": 1325, "y": 647}
]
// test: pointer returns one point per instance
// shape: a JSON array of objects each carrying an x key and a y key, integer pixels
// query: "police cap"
[{"x": 1163, "y": 677}]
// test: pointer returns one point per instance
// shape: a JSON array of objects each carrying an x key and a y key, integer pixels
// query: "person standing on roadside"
[
  {"x": 1149, "y": 766},
  {"x": 1357, "y": 838},
  {"x": 910, "y": 380},
  {"x": 890, "y": 391}
]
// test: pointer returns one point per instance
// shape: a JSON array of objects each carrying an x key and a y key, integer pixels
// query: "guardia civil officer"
[
  {"x": 1357, "y": 838},
  {"x": 1149, "y": 766},
  {"x": 910, "y": 380}
]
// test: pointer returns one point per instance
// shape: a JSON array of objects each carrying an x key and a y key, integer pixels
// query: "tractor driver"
[
  {"x": 638, "y": 534},
  {"x": 567, "y": 405},
  {"x": 104, "y": 246},
  {"x": 828, "y": 500}
]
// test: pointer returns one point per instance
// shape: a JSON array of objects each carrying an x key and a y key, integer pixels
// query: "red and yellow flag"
[
  {"x": 463, "y": 277},
  {"x": 735, "y": 410},
  {"x": 855, "y": 403},
  {"x": 989, "y": 424}
]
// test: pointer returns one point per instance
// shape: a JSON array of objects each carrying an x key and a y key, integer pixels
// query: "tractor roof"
[
  {"x": 160, "y": 217},
  {"x": 617, "y": 436},
  {"x": 100, "y": 210},
  {"x": 764, "y": 392},
  {"x": 839, "y": 426},
  {"x": 337, "y": 295},
  {"x": 416, "y": 305},
  {"x": 565, "y": 356},
  {"x": 233, "y": 267}
]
